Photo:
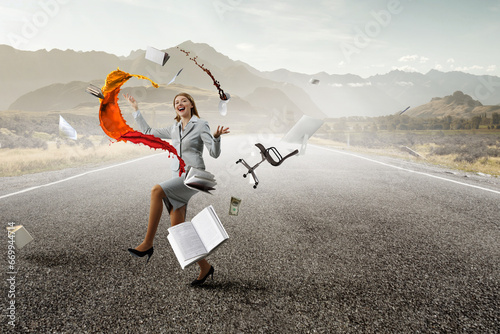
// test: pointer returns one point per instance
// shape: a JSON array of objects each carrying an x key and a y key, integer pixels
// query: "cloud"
[
  {"x": 423, "y": 60},
  {"x": 413, "y": 58},
  {"x": 405, "y": 68},
  {"x": 494, "y": 7},
  {"x": 147, "y": 4},
  {"x": 289, "y": 34},
  {"x": 245, "y": 46},
  {"x": 359, "y": 84},
  {"x": 12, "y": 14},
  {"x": 491, "y": 68},
  {"x": 408, "y": 58},
  {"x": 469, "y": 68}
]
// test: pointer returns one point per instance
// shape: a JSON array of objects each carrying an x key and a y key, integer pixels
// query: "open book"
[
  {"x": 194, "y": 240},
  {"x": 199, "y": 179}
]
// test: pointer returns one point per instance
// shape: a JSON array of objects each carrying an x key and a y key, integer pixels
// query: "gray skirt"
[{"x": 176, "y": 191}]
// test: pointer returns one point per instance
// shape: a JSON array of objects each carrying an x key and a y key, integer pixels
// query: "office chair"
[{"x": 266, "y": 155}]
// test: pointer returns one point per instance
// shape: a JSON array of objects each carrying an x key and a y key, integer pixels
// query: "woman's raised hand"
[
  {"x": 220, "y": 131},
  {"x": 130, "y": 99}
]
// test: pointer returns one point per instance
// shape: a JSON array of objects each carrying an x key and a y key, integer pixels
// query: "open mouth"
[{"x": 181, "y": 108}]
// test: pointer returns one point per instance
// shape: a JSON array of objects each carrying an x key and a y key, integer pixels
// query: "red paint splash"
[
  {"x": 222, "y": 95},
  {"x": 115, "y": 126}
]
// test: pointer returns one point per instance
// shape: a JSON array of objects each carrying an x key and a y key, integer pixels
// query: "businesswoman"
[{"x": 189, "y": 134}]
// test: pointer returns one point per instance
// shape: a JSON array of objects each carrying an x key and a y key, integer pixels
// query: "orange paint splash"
[{"x": 115, "y": 126}]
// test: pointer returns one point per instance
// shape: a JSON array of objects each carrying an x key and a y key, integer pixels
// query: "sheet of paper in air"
[
  {"x": 314, "y": 81},
  {"x": 173, "y": 79},
  {"x": 223, "y": 105},
  {"x": 156, "y": 56},
  {"x": 66, "y": 129},
  {"x": 302, "y": 131},
  {"x": 21, "y": 235}
]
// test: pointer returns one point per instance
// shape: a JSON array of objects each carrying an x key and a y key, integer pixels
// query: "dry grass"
[
  {"x": 32, "y": 160},
  {"x": 490, "y": 165},
  {"x": 485, "y": 165}
]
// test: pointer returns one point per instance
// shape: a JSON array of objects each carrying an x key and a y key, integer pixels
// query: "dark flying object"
[
  {"x": 94, "y": 90},
  {"x": 401, "y": 112}
]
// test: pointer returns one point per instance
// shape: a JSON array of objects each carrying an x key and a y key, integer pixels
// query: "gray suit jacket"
[{"x": 189, "y": 145}]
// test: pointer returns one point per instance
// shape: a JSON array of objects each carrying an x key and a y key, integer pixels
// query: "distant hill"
[
  {"x": 72, "y": 95},
  {"x": 41, "y": 89},
  {"x": 384, "y": 94},
  {"x": 457, "y": 105},
  {"x": 55, "y": 97},
  {"x": 24, "y": 72},
  {"x": 65, "y": 97}
]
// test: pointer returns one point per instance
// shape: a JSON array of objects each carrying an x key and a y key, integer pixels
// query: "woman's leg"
[
  {"x": 155, "y": 211},
  {"x": 178, "y": 216},
  {"x": 204, "y": 268}
]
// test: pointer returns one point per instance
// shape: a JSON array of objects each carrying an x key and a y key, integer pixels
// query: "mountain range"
[
  {"x": 456, "y": 105},
  {"x": 56, "y": 80}
]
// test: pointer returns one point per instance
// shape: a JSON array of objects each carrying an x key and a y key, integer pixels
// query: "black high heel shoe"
[
  {"x": 197, "y": 282},
  {"x": 136, "y": 253}
]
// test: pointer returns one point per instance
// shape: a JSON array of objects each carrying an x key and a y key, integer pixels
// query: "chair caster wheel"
[
  {"x": 244, "y": 175},
  {"x": 238, "y": 161},
  {"x": 255, "y": 187}
]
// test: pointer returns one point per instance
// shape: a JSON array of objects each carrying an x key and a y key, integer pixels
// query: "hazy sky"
[{"x": 364, "y": 37}]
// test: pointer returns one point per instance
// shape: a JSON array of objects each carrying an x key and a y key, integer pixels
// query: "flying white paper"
[
  {"x": 66, "y": 129},
  {"x": 223, "y": 105},
  {"x": 173, "y": 79},
  {"x": 156, "y": 56},
  {"x": 302, "y": 131},
  {"x": 21, "y": 236}
]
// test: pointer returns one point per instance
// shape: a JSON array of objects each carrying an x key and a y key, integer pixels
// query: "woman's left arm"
[
  {"x": 220, "y": 131},
  {"x": 212, "y": 143}
]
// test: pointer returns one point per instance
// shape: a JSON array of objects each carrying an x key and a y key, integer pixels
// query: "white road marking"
[
  {"x": 75, "y": 176},
  {"x": 407, "y": 170},
  {"x": 320, "y": 147}
]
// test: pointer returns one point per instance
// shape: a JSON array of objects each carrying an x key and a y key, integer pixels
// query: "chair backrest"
[{"x": 267, "y": 155}]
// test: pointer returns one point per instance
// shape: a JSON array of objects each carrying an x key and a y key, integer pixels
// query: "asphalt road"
[{"x": 330, "y": 242}]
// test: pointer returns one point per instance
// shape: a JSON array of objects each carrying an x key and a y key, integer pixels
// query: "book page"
[
  {"x": 199, "y": 187},
  {"x": 209, "y": 228},
  {"x": 200, "y": 180},
  {"x": 177, "y": 251},
  {"x": 195, "y": 173},
  {"x": 188, "y": 240}
]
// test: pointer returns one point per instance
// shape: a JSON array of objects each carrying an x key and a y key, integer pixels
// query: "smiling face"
[{"x": 183, "y": 106}]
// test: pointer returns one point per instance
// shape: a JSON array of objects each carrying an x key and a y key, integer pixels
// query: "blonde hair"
[{"x": 194, "y": 111}]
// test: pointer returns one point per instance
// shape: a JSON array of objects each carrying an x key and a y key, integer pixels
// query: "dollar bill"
[{"x": 234, "y": 206}]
